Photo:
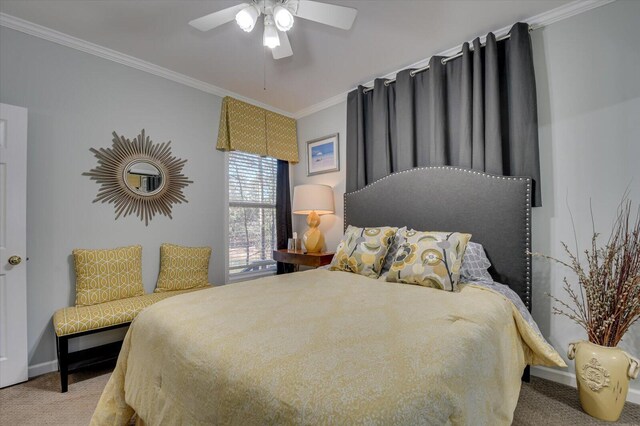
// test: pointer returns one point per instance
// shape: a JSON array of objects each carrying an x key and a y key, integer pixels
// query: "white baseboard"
[
  {"x": 43, "y": 368},
  {"x": 569, "y": 379}
]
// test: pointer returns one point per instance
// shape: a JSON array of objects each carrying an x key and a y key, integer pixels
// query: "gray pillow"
[{"x": 475, "y": 264}]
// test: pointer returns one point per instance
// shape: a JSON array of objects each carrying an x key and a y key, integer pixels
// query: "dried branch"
[{"x": 607, "y": 302}]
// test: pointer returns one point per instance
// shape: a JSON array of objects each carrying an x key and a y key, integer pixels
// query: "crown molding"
[
  {"x": 45, "y": 33},
  {"x": 334, "y": 100},
  {"x": 558, "y": 14},
  {"x": 538, "y": 21}
]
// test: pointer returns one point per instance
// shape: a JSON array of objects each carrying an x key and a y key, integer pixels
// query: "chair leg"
[
  {"x": 63, "y": 361},
  {"x": 58, "y": 351}
]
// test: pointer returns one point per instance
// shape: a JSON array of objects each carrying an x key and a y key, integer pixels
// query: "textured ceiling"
[{"x": 387, "y": 35}]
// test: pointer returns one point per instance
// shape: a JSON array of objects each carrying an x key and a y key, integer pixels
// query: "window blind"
[{"x": 252, "y": 212}]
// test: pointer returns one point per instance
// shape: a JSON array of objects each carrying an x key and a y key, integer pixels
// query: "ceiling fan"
[{"x": 278, "y": 19}]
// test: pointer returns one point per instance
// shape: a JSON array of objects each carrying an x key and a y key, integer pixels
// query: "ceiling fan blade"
[
  {"x": 284, "y": 50},
  {"x": 215, "y": 19},
  {"x": 328, "y": 14}
]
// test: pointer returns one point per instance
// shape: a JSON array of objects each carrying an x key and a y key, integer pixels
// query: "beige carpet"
[
  {"x": 39, "y": 402},
  {"x": 543, "y": 402}
]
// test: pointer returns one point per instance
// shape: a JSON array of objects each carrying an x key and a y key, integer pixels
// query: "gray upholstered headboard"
[{"x": 495, "y": 209}]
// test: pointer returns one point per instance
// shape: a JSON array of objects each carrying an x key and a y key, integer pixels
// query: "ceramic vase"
[{"x": 603, "y": 375}]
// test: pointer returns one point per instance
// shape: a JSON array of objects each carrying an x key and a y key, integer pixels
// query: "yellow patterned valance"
[{"x": 248, "y": 128}]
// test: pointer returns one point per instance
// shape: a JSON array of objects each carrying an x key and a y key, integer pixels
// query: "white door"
[{"x": 13, "y": 245}]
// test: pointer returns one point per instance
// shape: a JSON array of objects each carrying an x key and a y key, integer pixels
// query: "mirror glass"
[{"x": 143, "y": 177}]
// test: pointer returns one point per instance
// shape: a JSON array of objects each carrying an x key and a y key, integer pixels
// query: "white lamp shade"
[
  {"x": 308, "y": 198},
  {"x": 270, "y": 36},
  {"x": 283, "y": 18},
  {"x": 247, "y": 18}
]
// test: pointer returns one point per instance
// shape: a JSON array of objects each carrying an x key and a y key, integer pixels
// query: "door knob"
[{"x": 15, "y": 260}]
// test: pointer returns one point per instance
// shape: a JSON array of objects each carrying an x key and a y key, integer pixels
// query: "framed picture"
[{"x": 322, "y": 155}]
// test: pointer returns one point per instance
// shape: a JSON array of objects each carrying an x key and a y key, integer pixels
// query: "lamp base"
[{"x": 313, "y": 238}]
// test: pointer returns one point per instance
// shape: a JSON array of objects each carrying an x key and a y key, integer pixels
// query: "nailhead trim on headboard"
[{"x": 527, "y": 206}]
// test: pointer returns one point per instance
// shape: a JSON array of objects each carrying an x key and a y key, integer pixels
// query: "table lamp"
[{"x": 313, "y": 200}]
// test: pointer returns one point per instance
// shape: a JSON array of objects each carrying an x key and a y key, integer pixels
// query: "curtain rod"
[{"x": 447, "y": 59}]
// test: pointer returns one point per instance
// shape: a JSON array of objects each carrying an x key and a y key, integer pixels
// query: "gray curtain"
[
  {"x": 284, "y": 229},
  {"x": 478, "y": 111}
]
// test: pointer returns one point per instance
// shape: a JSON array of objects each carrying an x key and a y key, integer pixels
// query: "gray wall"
[
  {"x": 589, "y": 118},
  {"x": 323, "y": 123},
  {"x": 588, "y": 81},
  {"x": 75, "y": 101}
]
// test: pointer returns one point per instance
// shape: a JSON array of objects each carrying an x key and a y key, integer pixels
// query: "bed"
[{"x": 330, "y": 347}]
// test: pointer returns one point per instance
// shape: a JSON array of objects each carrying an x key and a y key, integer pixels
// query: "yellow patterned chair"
[{"x": 110, "y": 294}]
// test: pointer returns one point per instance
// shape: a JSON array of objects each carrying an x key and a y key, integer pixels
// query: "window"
[{"x": 252, "y": 213}]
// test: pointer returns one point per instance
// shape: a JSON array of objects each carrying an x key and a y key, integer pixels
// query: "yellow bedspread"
[{"x": 321, "y": 347}]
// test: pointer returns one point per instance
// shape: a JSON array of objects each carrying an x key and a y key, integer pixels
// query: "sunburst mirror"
[{"x": 139, "y": 177}]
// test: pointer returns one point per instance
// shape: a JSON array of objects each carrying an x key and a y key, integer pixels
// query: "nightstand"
[{"x": 301, "y": 258}]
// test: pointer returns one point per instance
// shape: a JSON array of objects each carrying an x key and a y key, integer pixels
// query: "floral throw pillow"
[
  {"x": 430, "y": 259},
  {"x": 362, "y": 250},
  {"x": 393, "y": 249}
]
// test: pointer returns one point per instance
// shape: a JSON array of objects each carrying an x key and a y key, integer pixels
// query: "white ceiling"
[{"x": 387, "y": 35}]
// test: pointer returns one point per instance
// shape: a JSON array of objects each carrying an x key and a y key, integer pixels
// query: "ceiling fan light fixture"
[
  {"x": 247, "y": 18},
  {"x": 270, "y": 37},
  {"x": 283, "y": 18},
  {"x": 279, "y": 17}
]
